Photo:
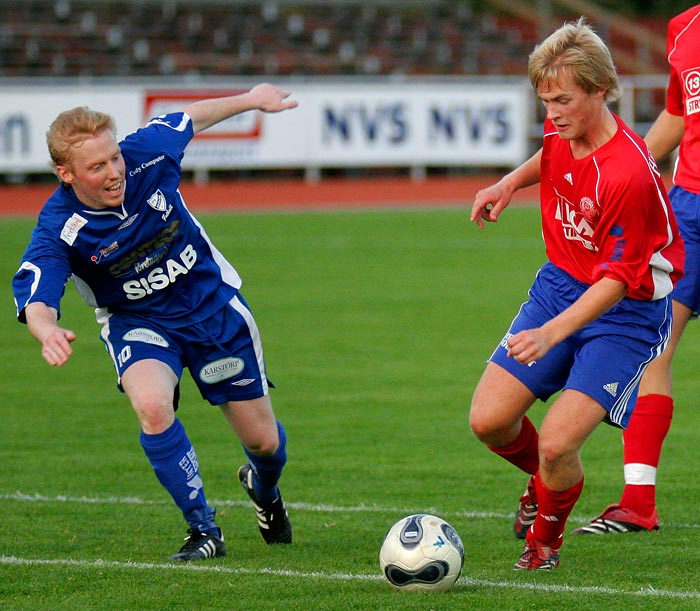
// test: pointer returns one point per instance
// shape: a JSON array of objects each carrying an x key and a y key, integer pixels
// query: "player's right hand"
[{"x": 490, "y": 202}]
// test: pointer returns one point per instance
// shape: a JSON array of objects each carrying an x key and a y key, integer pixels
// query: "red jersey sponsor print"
[
  {"x": 683, "y": 96},
  {"x": 608, "y": 215}
]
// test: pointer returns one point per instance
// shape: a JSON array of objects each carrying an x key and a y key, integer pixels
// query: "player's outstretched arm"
[
  {"x": 491, "y": 201},
  {"x": 264, "y": 97},
  {"x": 55, "y": 341}
]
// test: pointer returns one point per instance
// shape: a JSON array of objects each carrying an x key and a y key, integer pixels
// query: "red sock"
[
  {"x": 643, "y": 438},
  {"x": 523, "y": 452},
  {"x": 553, "y": 511}
]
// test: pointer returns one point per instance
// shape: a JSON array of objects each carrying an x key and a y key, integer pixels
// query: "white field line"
[
  {"x": 322, "y": 508},
  {"x": 464, "y": 582},
  {"x": 130, "y": 500}
]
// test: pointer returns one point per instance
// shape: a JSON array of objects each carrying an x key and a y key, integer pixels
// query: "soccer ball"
[{"x": 421, "y": 552}]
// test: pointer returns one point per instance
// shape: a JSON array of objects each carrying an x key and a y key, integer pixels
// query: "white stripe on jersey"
[
  {"x": 228, "y": 273},
  {"x": 180, "y": 127},
  {"x": 36, "y": 271}
]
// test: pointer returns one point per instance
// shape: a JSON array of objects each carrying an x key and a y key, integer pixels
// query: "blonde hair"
[
  {"x": 577, "y": 50},
  {"x": 73, "y": 126}
]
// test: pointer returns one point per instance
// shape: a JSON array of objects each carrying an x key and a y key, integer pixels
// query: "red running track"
[{"x": 278, "y": 195}]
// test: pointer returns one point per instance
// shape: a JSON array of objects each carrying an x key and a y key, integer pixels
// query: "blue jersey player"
[{"x": 164, "y": 296}]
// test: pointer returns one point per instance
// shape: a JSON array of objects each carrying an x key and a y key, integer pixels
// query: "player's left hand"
[{"x": 269, "y": 98}]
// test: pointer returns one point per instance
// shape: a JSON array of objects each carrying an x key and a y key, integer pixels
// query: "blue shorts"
[
  {"x": 223, "y": 352},
  {"x": 686, "y": 206},
  {"x": 604, "y": 360}
]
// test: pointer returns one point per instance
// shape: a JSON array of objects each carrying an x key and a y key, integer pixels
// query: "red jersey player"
[
  {"x": 678, "y": 124},
  {"x": 599, "y": 310}
]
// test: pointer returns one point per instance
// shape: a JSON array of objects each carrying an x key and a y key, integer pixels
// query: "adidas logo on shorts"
[{"x": 611, "y": 388}]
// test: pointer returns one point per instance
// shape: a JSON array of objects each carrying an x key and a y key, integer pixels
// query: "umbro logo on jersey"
[
  {"x": 568, "y": 178},
  {"x": 128, "y": 221},
  {"x": 244, "y": 382},
  {"x": 611, "y": 388}
]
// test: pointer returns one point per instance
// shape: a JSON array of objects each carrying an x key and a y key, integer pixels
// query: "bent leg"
[
  {"x": 559, "y": 483},
  {"x": 254, "y": 423},
  {"x": 568, "y": 423},
  {"x": 150, "y": 386},
  {"x": 498, "y": 418},
  {"x": 498, "y": 406},
  {"x": 264, "y": 441}
]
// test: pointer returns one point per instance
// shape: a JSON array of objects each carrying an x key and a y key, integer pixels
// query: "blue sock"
[
  {"x": 268, "y": 469},
  {"x": 175, "y": 463}
]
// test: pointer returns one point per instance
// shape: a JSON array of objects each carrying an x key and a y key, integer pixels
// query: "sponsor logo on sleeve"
[
  {"x": 691, "y": 80},
  {"x": 71, "y": 228}
]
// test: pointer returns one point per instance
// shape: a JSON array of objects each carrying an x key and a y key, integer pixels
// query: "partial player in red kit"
[
  {"x": 599, "y": 310},
  {"x": 678, "y": 124}
]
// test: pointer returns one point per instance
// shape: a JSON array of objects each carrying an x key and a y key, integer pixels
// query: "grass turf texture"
[{"x": 376, "y": 327}]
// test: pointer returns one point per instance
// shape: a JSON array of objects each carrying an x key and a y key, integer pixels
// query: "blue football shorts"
[
  {"x": 686, "y": 206},
  {"x": 604, "y": 360},
  {"x": 223, "y": 352}
]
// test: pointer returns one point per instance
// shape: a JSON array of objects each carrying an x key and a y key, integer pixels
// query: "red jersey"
[
  {"x": 683, "y": 96},
  {"x": 608, "y": 215}
]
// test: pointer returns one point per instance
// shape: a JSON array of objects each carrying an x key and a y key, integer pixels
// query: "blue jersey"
[{"x": 149, "y": 257}]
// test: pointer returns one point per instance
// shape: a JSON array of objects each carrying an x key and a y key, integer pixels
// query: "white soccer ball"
[{"x": 421, "y": 552}]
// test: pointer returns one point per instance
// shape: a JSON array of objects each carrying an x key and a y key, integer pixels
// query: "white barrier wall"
[{"x": 336, "y": 125}]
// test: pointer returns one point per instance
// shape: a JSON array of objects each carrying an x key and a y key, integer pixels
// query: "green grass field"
[{"x": 376, "y": 327}]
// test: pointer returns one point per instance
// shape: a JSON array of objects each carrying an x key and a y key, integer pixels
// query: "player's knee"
[
  {"x": 263, "y": 443},
  {"x": 485, "y": 428},
  {"x": 480, "y": 428},
  {"x": 553, "y": 452},
  {"x": 155, "y": 414}
]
